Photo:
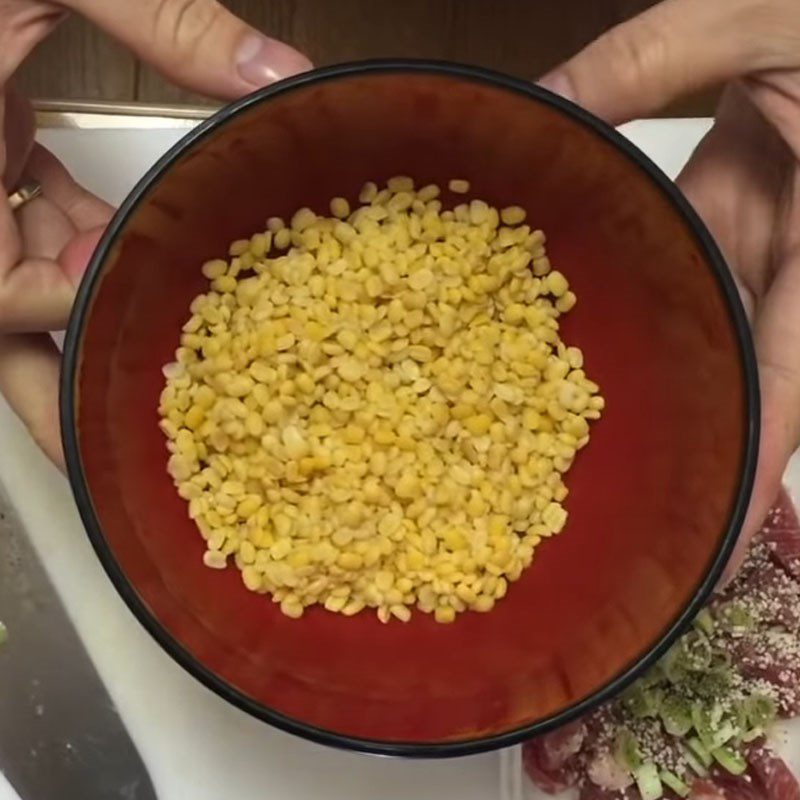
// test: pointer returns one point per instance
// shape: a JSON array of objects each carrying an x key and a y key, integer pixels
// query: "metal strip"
[{"x": 104, "y": 116}]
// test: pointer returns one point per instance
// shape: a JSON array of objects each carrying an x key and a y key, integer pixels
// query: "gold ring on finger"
[{"x": 26, "y": 193}]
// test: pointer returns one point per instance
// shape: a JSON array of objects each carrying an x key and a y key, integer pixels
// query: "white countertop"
[{"x": 195, "y": 745}]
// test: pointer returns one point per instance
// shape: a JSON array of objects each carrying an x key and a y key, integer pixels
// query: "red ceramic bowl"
[{"x": 656, "y": 500}]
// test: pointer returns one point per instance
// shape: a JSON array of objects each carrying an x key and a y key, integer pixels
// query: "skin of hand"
[
  {"x": 46, "y": 244},
  {"x": 743, "y": 179}
]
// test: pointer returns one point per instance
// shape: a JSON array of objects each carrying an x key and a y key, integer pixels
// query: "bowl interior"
[{"x": 651, "y": 497}]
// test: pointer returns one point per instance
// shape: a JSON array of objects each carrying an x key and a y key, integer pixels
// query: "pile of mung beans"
[{"x": 374, "y": 409}]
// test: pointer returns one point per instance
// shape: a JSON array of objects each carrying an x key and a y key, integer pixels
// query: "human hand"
[
  {"x": 45, "y": 245},
  {"x": 743, "y": 179}
]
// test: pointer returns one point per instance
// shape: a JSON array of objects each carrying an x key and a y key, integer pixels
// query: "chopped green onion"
[
  {"x": 626, "y": 751},
  {"x": 672, "y": 781},
  {"x": 648, "y": 782},
  {"x": 699, "y": 750},
  {"x": 736, "y": 617},
  {"x": 676, "y": 715},
  {"x": 674, "y": 664},
  {"x": 713, "y": 732},
  {"x": 730, "y": 761},
  {"x": 705, "y": 622},
  {"x": 760, "y": 710},
  {"x": 752, "y": 735},
  {"x": 643, "y": 702},
  {"x": 695, "y": 764}
]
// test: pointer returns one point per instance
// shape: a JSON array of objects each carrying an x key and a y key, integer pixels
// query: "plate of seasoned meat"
[{"x": 717, "y": 718}]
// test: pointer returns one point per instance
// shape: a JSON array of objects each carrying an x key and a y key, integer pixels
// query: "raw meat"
[
  {"x": 591, "y": 791},
  {"x": 706, "y": 790},
  {"x": 773, "y": 774},
  {"x": 548, "y": 759},
  {"x": 782, "y": 531},
  {"x": 738, "y": 787},
  {"x": 769, "y": 588}
]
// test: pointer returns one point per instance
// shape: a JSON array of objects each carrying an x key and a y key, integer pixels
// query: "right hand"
[
  {"x": 45, "y": 246},
  {"x": 743, "y": 179}
]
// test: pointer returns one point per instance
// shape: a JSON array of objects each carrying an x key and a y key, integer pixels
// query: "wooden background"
[{"x": 522, "y": 37}]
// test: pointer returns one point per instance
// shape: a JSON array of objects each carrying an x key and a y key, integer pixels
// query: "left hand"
[{"x": 46, "y": 244}]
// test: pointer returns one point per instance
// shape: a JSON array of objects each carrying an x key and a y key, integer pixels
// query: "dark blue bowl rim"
[{"x": 80, "y": 487}]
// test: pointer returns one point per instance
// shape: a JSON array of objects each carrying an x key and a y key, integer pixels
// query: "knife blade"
[{"x": 61, "y": 737}]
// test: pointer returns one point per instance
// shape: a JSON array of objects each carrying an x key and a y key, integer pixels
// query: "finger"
[
  {"x": 29, "y": 370},
  {"x": 17, "y": 131},
  {"x": 44, "y": 229},
  {"x": 24, "y": 25},
  {"x": 775, "y": 450},
  {"x": 37, "y": 284},
  {"x": 35, "y": 293},
  {"x": 196, "y": 43},
  {"x": 708, "y": 182},
  {"x": 735, "y": 181},
  {"x": 642, "y": 65},
  {"x": 84, "y": 210},
  {"x": 777, "y": 338},
  {"x": 777, "y": 97},
  {"x": 777, "y": 335},
  {"x": 74, "y": 258}
]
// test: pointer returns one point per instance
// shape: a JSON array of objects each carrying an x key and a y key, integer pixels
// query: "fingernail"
[
  {"x": 261, "y": 60},
  {"x": 558, "y": 83}
]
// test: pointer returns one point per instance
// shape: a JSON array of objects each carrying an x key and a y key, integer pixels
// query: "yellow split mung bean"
[{"x": 375, "y": 409}]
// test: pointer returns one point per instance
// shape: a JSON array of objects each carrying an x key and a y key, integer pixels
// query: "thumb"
[
  {"x": 198, "y": 44},
  {"x": 675, "y": 48}
]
